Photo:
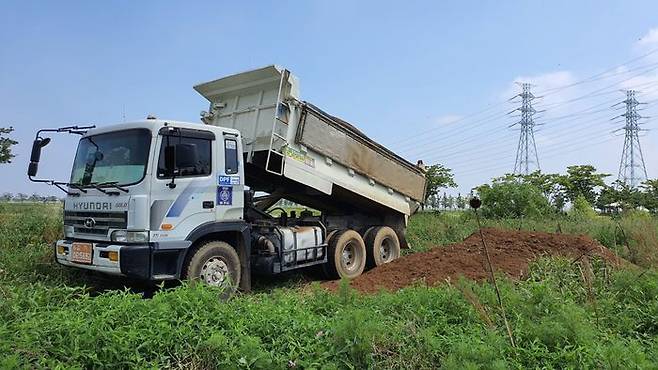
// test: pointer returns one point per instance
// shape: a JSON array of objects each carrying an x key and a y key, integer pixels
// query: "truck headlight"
[
  {"x": 68, "y": 231},
  {"x": 125, "y": 236}
]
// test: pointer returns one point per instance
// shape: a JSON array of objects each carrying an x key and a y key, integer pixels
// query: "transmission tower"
[
  {"x": 631, "y": 167},
  {"x": 526, "y": 152}
]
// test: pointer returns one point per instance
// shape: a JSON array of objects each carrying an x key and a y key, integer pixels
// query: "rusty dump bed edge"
[{"x": 399, "y": 174}]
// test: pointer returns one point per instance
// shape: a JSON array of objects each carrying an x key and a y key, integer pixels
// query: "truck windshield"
[{"x": 117, "y": 157}]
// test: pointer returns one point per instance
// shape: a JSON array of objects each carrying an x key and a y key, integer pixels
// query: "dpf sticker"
[{"x": 229, "y": 180}]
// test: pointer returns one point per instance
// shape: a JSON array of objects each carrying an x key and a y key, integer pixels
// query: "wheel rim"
[
  {"x": 214, "y": 272},
  {"x": 349, "y": 256},
  {"x": 386, "y": 250}
]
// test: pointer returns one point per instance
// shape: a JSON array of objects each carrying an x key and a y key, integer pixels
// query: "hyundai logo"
[{"x": 90, "y": 223}]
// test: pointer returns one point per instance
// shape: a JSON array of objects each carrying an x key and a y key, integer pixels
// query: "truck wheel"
[
  {"x": 215, "y": 263},
  {"x": 346, "y": 255},
  {"x": 383, "y": 246}
]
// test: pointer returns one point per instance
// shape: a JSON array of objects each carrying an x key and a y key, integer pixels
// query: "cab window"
[
  {"x": 231, "y": 156},
  {"x": 193, "y": 157}
]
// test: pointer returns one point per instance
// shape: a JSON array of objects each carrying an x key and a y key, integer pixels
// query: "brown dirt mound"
[{"x": 510, "y": 252}]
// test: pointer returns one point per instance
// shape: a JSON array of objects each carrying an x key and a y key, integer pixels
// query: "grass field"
[{"x": 49, "y": 318}]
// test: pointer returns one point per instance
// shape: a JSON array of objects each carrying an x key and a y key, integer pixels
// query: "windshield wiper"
[
  {"x": 97, "y": 187},
  {"x": 112, "y": 184},
  {"x": 78, "y": 187}
]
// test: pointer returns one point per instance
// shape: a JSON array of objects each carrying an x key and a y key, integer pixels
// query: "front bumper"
[{"x": 150, "y": 261}]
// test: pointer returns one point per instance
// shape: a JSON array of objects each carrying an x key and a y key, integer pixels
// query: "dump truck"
[{"x": 159, "y": 200}]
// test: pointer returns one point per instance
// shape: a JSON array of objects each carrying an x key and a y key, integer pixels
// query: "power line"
[
  {"x": 576, "y": 127},
  {"x": 603, "y": 74},
  {"x": 598, "y": 76},
  {"x": 557, "y": 154},
  {"x": 419, "y": 150}
]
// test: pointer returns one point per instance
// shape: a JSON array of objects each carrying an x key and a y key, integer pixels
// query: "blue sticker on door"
[
  {"x": 228, "y": 180},
  {"x": 224, "y": 195}
]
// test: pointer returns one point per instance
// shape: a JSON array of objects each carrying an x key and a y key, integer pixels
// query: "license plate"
[{"x": 81, "y": 253}]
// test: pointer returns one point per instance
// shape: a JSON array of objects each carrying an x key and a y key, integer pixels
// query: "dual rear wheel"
[{"x": 349, "y": 253}]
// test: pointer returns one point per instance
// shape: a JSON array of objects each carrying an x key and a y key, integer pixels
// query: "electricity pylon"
[
  {"x": 632, "y": 170},
  {"x": 526, "y": 151}
]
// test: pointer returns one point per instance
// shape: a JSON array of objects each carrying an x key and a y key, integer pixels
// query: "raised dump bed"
[{"x": 292, "y": 144}]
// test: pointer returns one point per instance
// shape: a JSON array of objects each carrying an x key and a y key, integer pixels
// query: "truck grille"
[{"x": 102, "y": 222}]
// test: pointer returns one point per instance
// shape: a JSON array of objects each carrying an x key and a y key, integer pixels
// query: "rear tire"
[
  {"x": 346, "y": 255},
  {"x": 216, "y": 263},
  {"x": 383, "y": 246}
]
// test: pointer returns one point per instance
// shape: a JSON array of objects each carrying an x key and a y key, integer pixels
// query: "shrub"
[
  {"x": 581, "y": 209},
  {"x": 506, "y": 198}
]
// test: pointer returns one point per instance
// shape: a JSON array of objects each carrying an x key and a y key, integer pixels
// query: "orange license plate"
[{"x": 81, "y": 253}]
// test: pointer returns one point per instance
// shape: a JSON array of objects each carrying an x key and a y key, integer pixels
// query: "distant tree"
[
  {"x": 451, "y": 202},
  {"x": 5, "y": 145},
  {"x": 437, "y": 177},
  {"x": 435, "y": 201},
  {"x": 444, "y": 201},
  {"x": 649, "y": 195},
  {"x": 21, "y": 197},
  {"x": 431, "y": 202},
  {"x": 6, "y": 197},
  {"x": 607, "y": 199},
  {"x": 620, "y": 196},
  {"x": 506, "y": 197},
  {"x": 628, "y": 197},
  {"x": 460, "y": 202},
  {"x": 581, "y": 180},
  {"x": 581, "y": 208},
  {"x": 549, "y": 185}
]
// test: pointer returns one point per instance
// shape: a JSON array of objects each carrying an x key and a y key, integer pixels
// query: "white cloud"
[
  {"x": 448, "y": 119},
  {"x": 546, "y": 86},
  {"x": 649, "y": 39},
  {"x": 645, "y": 83}
]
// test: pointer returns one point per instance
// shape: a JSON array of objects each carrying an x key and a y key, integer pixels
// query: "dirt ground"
[{"x": 510, "y": 251}]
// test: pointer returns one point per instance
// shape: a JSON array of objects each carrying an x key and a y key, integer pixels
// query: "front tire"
[
  {"x": 346, "y": 255},
  {"x": 216, "y": 263}
]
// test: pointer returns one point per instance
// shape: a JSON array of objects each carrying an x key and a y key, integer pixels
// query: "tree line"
[
  {"x": 21, "y": 197},
  {"x": 537, "y": 193}
]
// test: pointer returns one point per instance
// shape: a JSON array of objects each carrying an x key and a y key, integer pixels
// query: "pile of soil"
[{"x": 510, "y": 252}]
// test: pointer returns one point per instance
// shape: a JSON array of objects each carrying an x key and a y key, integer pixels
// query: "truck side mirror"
[{"x": 36, "y": 155}]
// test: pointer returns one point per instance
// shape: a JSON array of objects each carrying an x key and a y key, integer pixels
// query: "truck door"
[
  {"x": 230, "y": 179},
  {"x": 187, "y": 201}
]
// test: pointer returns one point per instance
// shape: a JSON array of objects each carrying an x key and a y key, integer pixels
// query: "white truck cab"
[{"x": 133, "y": 215}]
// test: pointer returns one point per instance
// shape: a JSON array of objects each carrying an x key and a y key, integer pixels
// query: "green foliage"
[
  {"x": 460, "y": 201},
  {"x": 549, "y": 184},
  {"x": 48, "y": 319},
  {"x": 649, "y": 196},
  {"x": 582, "y": 181},
  {"x": 581, "y": 209},
  {"x": 509, "y": 198},
  {"x": 437, "y": 176},
  {"x": 5, "y": 145}
]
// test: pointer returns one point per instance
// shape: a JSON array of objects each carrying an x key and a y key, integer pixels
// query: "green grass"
[{"x": 48, "y": 319}]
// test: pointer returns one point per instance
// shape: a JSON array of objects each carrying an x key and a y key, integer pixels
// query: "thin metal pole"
[{"x": 493, "y": 279}]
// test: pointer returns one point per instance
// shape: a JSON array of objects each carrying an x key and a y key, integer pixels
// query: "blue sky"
[{"x": 407, "y": 71}]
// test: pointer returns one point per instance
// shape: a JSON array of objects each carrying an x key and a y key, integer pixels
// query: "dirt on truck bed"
[{"x": 510, "y": 252}]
